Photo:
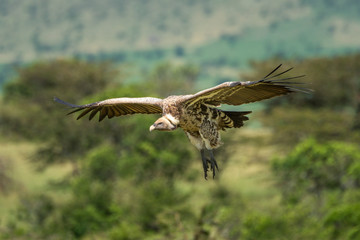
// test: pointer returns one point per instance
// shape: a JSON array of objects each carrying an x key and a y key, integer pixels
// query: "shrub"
[{"x": 313, "y": 167}]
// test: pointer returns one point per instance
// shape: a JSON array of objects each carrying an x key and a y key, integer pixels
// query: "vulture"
[{"x": 197, "y": 114}]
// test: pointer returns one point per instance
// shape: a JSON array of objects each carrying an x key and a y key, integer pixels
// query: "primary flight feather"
[{"x": 197, "y": 114}]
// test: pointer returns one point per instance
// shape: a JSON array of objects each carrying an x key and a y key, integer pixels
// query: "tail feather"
[{"x": 237, "y": 118}]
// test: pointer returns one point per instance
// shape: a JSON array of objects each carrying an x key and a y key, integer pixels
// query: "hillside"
[
  {"x": 218, "y": 36},
  {"x": 53, "y": 28}
]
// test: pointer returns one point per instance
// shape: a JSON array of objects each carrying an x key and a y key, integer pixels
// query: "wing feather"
[
  {"x": 93, "y": 113},
  {"x": 236, "y": 93},
  {"x": 86, "y": 111},
  {"x": 111, "y": 112},
  {"x": 117, "y": 107},
  {"x": 119, "y": 111},
  {"x": 116, "y": 111},
  {"x": 103, "y": 113}
]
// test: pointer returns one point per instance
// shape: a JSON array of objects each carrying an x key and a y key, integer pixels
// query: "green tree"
[
  {"x": 314, "y": 167},
  {"x": 335, "y": 81},
  {"x": 28, "y": 110},
  {"x": 125, "y": 176},
  {"x": 331, "y": 111},
  {"x": 167, "y": 79}
]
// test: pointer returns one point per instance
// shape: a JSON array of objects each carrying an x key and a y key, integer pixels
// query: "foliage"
[
  {"x": 292, "y": 125},
  {"x": 102, "y": 164},
  {"x": 334, "y": 81},
  {"x": 263, "y": 227},
  {"x": 315, "y": 167},
  {"x": 126, "y": 231},
  {"x": 35, "y": 87},
  {"x": 32, "y": 216},
  {"x": 130, "y": 184},
  {"x": 167, "y": 79},
  {"x": 330, "y": 111},
  {"x": 343, "y": 217},
  {"x": 326, "y": 171},
  {"x": 107, "y": 157}
]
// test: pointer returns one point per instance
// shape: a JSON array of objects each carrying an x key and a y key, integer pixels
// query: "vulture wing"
[
  {"x": 117, "y": 107},
  {"x": 237, "y": 93}
]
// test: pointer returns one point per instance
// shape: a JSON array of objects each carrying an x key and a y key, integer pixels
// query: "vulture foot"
[{"x": 206, "y": 163}]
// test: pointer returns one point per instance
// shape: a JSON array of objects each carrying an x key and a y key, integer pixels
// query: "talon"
[
  {"x": 209, "y": 163},
  {"x": 204, "y": 161},
  {"x": 217, "y": 168},
  {"x": 213, "y": 163},
  {"x": 205, "y": 170}
]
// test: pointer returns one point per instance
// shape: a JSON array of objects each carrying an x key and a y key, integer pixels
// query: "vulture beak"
[{"x": 152, "y": 127}]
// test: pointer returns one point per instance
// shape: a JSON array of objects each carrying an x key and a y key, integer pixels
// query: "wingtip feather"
[
  {"x": 58, "y": 100},
  {"x": 273, "y": 71}
]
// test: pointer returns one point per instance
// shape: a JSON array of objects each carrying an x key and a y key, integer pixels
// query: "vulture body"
[{"x": 197, "y": 114}]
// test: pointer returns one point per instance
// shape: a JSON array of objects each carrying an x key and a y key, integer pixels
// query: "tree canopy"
[{"x": 125, "y": 183}]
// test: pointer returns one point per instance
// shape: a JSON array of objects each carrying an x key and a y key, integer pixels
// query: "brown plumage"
[{"x": 197, "y": 114}]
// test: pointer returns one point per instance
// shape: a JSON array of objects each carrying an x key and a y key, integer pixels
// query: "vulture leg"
[
  {"x": 213, "y": 163},
  {"x": 204, "y": 162}
]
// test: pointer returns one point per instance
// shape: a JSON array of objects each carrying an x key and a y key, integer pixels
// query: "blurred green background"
[{"x": 292, "y": 172}]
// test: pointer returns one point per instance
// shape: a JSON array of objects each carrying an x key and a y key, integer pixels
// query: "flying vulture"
[{"x": 197, "y": 114}]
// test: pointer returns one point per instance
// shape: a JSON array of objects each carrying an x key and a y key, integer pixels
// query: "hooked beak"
[{"x": 152, "y": 127}]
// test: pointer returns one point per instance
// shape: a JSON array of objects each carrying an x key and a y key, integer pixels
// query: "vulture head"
[{"x": 164, "y": 124}]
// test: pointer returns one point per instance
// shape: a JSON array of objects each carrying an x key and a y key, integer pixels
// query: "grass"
[
  {"x": 246, "y": 173},
  {"x": 26, "y": 178},
  {"x": 248, "y": 169}
]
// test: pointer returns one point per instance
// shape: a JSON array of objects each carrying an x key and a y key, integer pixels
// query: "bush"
[
  {"x": 32, "y": 218},
  {"x": 313, "y": 167},
  {"x": 28, "y": 108},
  {"x": 264, "y": 227},
  {"x": 126, "y": 231},
  {"x": 335, "y": 81},
  {"x": 293, "y": 125},
  {"x": 336, "y": 87},
  {"x": 344, "y": 221},
  {"x": 102, "y": 164}
]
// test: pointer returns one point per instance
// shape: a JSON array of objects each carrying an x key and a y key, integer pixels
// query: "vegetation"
[
  {"x": 297, "y": 174},
  {"x": 331, "y": 112},
  {"x": 145, "y": 34}
]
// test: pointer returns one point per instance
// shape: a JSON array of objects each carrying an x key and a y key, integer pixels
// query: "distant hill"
[{"x": 210, "y": 33}]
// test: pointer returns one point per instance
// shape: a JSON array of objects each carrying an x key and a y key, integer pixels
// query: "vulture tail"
[{"x": 231, "y": 119}]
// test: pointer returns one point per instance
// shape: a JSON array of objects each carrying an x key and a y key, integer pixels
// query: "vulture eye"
[{"x": 160, "y": 124}]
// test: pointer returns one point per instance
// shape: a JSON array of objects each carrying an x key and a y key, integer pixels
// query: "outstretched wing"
[
  {"x": 117, "y": 107},
  {"x": 236, "y": 93}
]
